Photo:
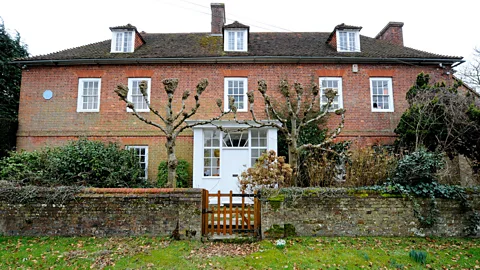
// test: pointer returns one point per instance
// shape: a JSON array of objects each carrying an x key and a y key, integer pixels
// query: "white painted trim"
[
  {"x": 235, "y": 30},
  {"x": 229, "y": 124},
  {"x": 339, "y": 93},
  {"x": 113, "y": 46},
  {"x": 129, "y": 95},
  {"x": 213, "y": 182},
  {"x": 390, "y": 94},
  {"x": 225, "y": 93},
  {"x": 129, "y": 147},
  {"x": 80, "y": 94},
  {"x": 357, "y": 40}
]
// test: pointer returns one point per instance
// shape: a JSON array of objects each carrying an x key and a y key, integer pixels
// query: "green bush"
[
  {"x": 78, "y": 163},
  {"x": 183, "y": 174},
  {"x": 418, "y": 168}
]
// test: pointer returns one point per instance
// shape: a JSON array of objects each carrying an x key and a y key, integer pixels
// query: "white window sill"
[{"x": 376, "y": 110}]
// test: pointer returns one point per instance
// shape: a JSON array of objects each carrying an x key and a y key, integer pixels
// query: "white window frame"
[
  {"x": 235, "y": 48},
  {"x": 120, "y": 36},
  {"x": 390, "y": 94},
  {"x": 130, "y": 92},
  {"x": 339, "y": 92},
  {"x": 259, "y": 147},
  {"x": 130, "y": 147},
  {"x": 245, "y": 90},
  {"x": 214, "y": 148},
  {"x": 349, "y": 35},
  {"x": 248, "y": 145},
  {"x": 80, "y": 94}
]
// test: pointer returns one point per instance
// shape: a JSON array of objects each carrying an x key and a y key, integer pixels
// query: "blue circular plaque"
[{"x": 47, "y": 94}]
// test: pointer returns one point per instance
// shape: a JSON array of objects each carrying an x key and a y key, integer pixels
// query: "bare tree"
[
  {"x": 172, "y": 123},
  {"x": 302, "y": 108},
  {"x": 470, "y": 73}
]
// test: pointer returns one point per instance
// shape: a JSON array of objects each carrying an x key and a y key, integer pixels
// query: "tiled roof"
[
  {"x": 236, "y": 24},
  {"x": 343, "y": 26},
  {"x": 275, "y": 44},
  {"x": 128, "y": 27}
]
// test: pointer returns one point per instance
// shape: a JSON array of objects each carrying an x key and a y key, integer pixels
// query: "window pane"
[
  {"x": 127, "y": 41},
  {"x": 240, "y": 41},
  {"x": 343, "y": 41},
  {"x": 231, "y": 41},
  {"x": 118, "y": 42},
  {"x": 141, "y": 154}
]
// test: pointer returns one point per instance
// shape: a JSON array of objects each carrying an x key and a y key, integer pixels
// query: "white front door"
[
  {"x": 234, "y": 162},
  {"x": 220, "y": 157}
]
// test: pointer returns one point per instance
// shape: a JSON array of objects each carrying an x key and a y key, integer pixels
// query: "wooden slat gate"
[{"x": 229, "y": 217}]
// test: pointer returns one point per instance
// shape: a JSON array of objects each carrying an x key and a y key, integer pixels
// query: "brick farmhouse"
[{"x": 70, "y": 94}]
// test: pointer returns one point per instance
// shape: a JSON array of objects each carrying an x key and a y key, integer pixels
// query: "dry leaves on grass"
[{"x": 224, "y": 250}]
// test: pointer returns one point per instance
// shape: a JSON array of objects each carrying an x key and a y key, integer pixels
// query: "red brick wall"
[
  {"x": 56, "y": 120},
  {"x": 138, "y": 40}
]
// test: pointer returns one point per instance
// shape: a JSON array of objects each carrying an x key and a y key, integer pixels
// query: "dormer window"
[
  {"x": 236, "y": 40},
  {"x": 345, "y": 38},
  {"x": 125, "y": 39},
  {"x": 348, "y": 41},
  {"x": 235, "y": 37},
  {"x": 122, "y": 41}
]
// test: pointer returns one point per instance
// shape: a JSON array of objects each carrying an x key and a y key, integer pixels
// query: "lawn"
[{"x": 299, "y": 253}]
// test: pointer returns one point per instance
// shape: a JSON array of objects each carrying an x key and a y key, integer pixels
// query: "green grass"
[{"x": 299, "y": 253}]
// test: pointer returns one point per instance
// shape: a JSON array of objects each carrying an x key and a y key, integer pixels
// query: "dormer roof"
[
  {"x": 342, "y": 26},
  {"x": 124, "y": 27},
  {"x": 236, "y": 24}
]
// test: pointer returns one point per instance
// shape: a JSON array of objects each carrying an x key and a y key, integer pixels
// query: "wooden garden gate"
[{"x": 230, "y": 217}]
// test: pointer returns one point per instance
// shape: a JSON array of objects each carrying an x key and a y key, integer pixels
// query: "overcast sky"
[{"x": 443, "y": 27}]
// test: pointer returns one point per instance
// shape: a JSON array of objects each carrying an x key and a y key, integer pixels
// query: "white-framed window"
[
  {"x": 141, "y": 152},
  {"x": 135, "y": 95},
  {"x": 238, "y": 139},
  {"x": 122, "y": 41},
  {"x": 381, "y": 93},
  {"x": 211, "y": 153},
  {"x": 336, "y": 84},
  {"x": 236, "y": 88},
  {"x": 258, "y": 144},
  {"x": 235, "y": 40},
  {"x": 88, "y": 95},
  {"x": 215, "y": 141},
  {"x": 348, "y": 41}
]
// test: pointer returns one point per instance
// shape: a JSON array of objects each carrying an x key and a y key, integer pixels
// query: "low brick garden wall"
[
  {"x": 312, "y": 212},
  {"x": 104, "y": 212},
  {"x": 331, "y": 212}
]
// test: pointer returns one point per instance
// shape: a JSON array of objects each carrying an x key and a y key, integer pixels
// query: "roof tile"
[{"x": 276, "y": 44}]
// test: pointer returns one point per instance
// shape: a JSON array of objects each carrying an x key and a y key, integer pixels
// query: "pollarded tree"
[
  {"x": 10, "y": 78},
  {"x": 300, "y": 109},
  {"x": 172, "y": 123}
]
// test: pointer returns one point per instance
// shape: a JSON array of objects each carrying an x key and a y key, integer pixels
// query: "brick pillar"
[
  {"x": 392, "y": 33},
  {"x": 218, "y": 18}
]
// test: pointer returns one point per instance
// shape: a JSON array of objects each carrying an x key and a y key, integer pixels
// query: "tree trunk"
[
  {"x": 293, "y": 151},
  {"x": 172, "y": 163}
]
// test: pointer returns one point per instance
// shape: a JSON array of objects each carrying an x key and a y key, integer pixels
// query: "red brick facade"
[{"x": 55, "y": 121}]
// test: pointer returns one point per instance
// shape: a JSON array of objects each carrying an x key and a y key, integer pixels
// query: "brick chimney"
[
  {"x": 392, "y": 33},
  {"x": 218, "y": 18}
]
